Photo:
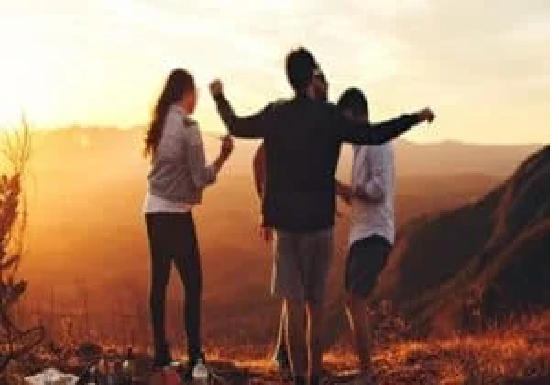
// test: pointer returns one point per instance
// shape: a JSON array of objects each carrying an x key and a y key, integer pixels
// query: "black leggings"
[{"x": 172, "y": 237}]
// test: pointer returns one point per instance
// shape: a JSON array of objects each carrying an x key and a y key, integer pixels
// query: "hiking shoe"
[
  {"x": 200, "y": 371},
  {"x": 195, "y": 366}
]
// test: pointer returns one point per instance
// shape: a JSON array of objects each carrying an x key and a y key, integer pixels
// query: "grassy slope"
[{"x": 515, "y": 354}]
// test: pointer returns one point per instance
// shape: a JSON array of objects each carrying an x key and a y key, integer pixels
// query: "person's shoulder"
[
  {"x": 388, "y": 148},
  {"x": 333, "y": 113},
  {"x": 176, "y": 111},
  {"x": 378, "y": 150},
  {"x": 329, "y": 107},
  {"x": 176, "y": 118},
  {"x": 192, "y": 130},
  {"x": 279, "y": 103}
]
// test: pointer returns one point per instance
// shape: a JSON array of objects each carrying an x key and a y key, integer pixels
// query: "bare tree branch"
[{"x": 16, "y": 150}]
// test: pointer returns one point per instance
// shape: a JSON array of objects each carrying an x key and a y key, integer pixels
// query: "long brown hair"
[{"x": 178, "y": 82}]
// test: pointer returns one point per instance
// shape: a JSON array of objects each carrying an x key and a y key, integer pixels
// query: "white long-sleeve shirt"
[{"x": 373, "y": 171}]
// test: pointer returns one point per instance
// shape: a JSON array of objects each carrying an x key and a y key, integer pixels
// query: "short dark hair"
[
  {"x": 355, "y": 101},
  {"x": 300, "y": 67}
]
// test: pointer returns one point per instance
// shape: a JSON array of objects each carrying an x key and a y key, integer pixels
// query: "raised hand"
[
  {"x": 216, "y": 87},
  {"x": 427, "y": 114}
]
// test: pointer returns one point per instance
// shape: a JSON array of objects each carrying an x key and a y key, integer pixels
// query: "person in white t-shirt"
[{"x": 371, "y": 232}]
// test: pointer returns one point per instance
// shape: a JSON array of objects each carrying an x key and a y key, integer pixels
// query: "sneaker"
[
  {"x": 200, "y": 371},
  {"x": 196, "y": 366}
]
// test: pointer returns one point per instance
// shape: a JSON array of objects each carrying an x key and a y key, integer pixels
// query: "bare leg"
[
  {"x": 315, "y": 314},
  {"x": 357, "y": 312},
  {"x": 281, "y": 345},
  {"x": 296, "y": 337}
]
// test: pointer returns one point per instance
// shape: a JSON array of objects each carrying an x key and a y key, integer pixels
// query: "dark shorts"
[{"x": 366, "y": 259}]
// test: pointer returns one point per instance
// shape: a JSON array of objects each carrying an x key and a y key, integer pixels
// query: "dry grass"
[
  {"x": 516, "y": 354},
  {"x": 500, "y": 356}
]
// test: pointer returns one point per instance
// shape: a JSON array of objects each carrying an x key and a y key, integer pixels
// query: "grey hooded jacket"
[{"x": 179, "y": 172}]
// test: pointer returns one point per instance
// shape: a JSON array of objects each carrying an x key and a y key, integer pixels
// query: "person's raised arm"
[
  {"x": 366, "y": 133},
  {"x": 247, "y": 127}
]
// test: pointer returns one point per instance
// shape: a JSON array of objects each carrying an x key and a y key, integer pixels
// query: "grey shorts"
[{"x": 301, "y": 265}]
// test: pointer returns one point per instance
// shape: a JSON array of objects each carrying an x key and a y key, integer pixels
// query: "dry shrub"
[{"x": 15, "y": 150}]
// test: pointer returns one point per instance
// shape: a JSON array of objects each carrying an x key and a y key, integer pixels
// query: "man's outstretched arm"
[
  {"x": 248, "y": 127},
  {"x": 379, "y": 133}
]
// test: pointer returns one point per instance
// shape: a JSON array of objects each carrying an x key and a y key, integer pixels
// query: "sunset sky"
[{"x": 483, "y": 66}]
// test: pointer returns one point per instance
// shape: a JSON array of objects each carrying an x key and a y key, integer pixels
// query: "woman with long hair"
[{"x": 177, "y": 178}]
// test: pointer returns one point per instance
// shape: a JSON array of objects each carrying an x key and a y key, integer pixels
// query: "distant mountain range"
[
  {"x": 444, "y": 158},
  {"x": 460, "y": 158},
  {"x": 485, "y": 260},
  {"x": 85, "y": 192}
]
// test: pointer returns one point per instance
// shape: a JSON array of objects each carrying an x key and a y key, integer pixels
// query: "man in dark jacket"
[
  {"x": 303, "y": 137},
  {"x": 281, "y": 356}
]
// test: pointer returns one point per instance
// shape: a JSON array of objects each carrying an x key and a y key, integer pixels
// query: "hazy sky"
[{"x": 483, "y": 66}]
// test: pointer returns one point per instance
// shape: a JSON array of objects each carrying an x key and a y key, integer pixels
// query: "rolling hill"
[{"x": 483, "y": 261}]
